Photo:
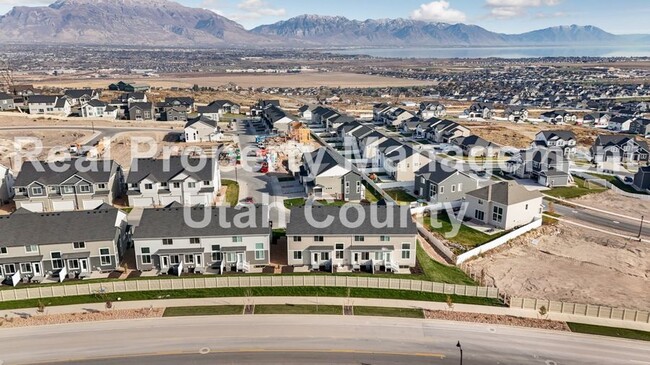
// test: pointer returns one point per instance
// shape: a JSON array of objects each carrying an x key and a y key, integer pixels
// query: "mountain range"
[{"x": 167, "y": 23}]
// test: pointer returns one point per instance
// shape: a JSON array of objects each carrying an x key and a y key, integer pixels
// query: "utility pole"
[
  {"x": 461, "y": 352},
  {"x": 641, "y": 227}
]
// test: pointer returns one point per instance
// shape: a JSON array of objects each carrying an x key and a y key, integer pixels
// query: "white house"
[
  {"x": 98, "y": 109},
  {"x": 159, "y": 183},
  {"x": 49, "y": 105},
  {"x": 201, "y": 130},
  {"x": 620, "y": 123},
  {"x": 505, "y": 205}
]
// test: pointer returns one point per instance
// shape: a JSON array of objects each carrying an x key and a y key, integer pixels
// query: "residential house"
[
  {"x": 141, "y": 111},
  {"x": 327, "y": 175},
  {"x": 6, "y": 184},
  {"x": 49, "y": 105},
  {"x": 378, "y": 110},
  {"x": 596, "y": 120},
  {"x": 80, "y": 97},
  {"x": 129, "y": 87},
  {"x": 349, "y": 241},
  {"x": 516, "y": 113},
  {"x": 444, "y": 131},
  {"x": 166, "y": 242},
  {"x": 475, "y": 146},
  {"x": 6, "y": 102},
  {"x": 438, "y": 183},
  {"x": 212, "y": 112},
  {"x": 77, "y": 184},
  {"x": 201, "y": 129},
  {"x": 562, "y": 139},
  {"x": 400, "y": 161},
  {"x": 559, "y": 117},
  {"x": 98, "y": 109},
  {"x": 304, "y": 112},
  {"x": 432, "y": 109},
  {"x": 182, "y": 102},
  {"x": 619, "y": 149},
  {"x": 641, "y": 127},
  {"x": 161, "y": 182},
  {"x": 278, "y": 119},
  {"x": 505, "y": 205},
  {"x": 620, "y": 123},
  {"x": 642, "y": 179},
  {"x": 480, "y": 111},
  {"x": 174, "y": 114},
  {"x": 23, "y": 90},
  {"x": 546, "y": 166},
  {"x": 226, "y": 107},
  {"x": 369, "y": 143},
  {"x": 393, "y": 117},
  {"x": 257, "y": 109},
  {"x": 34, "y": 246}
]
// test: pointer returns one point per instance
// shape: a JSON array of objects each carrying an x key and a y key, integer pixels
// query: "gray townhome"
[
  {"x": 167, "y": 242},
  {"x": 642, "y": 179},
  {"x": 160, "y": 182},
  {"x": 338, "y": 246},
  {"x": 77, "y": 184},
  {"x": 141, "y": 111},
  {"x": 326, "y": 175},
  {"x": 36, "y": 246},
  {"x": 438, "y": 183},
  {"x": 6, "y": 102}
]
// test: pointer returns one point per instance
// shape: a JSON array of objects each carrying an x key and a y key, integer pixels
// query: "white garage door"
[
  {"x": 198, "y": 200},
  {"x": 166, "y": 200},
  {"x": 33, "y": 207},
  {"x": 142, "y": 202},
  {"x": 63, "y": 206},
  {"x": 91, "y": 204}
]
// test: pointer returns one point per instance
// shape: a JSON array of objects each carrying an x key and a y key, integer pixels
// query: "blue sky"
[{"x": 507, "y": 16}]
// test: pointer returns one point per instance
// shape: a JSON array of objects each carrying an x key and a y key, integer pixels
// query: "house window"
[
  {"x": 167, "y": 241},
  {"x": 359, "y": 238},
  {"x": 526, "y": 207},
  {"x": 73, "y": 264},
  {"x": 3, "y": 250},
  {"x": 189, "y": 259},
  {"x": 191, "y": 185},
  {"x": 497, "y": 214},
  {"x": 84, "y": 188},
  {"x": 358, "y": 186},
  {"x": 378, "y": 255},
  {"x": 176, "y": 185},
  {"x": 319, "y": 238},
  {"x": 31, "y": 248},
  {"x": 259, "y": 251},
  {"x": 297, "y": 255},
  {"x": 207, "y": 183},
  {"x": 325, "y": 256},
  {"x": 57, "y": 262},
  {"x": 384, "y": 238},
  {"x": 460, "y": 187},
  {"x": 195, "y": 241},
  {"x": 67, "y": 189},
  {"x": 146, "y": 255},
  {"x": 339, "y": 251},
  {"x": 37, "y": 190},
  {"x": 148, "y": 186},
  {"x": 480, "y": 202},
  {"x": 164, "y": 184},
  {"x": 101, "y": 186},
  {"x": 174, "y": 259},
  {"x": 26, "y": 268},
  {"x": 297, "y": 238},
  {"x": 406, "y": 251},
  {"x": 105, "y": 257},
  {"x": 365, "y": 256},
  {"x": 479, "y": 214},
  {"x": 442, "y": 189},
  {"x": 216, "y": 253},
  {"x": 453, "y": 188},
  {"x": 10, "y": 269},
  {"x": 236, "y": 239}
]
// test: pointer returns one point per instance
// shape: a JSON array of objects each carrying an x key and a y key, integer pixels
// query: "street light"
[{"x": 461, "y": 352}]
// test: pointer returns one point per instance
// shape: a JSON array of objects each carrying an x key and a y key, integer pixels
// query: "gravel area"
[
  {"x": 496, "y": 319},
  {"x": 90, "y": 316}
]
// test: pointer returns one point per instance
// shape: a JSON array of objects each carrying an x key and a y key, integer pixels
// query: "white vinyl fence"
[
  {"x": 586, "y": 310},
  {"x": 214, "y": 282}
]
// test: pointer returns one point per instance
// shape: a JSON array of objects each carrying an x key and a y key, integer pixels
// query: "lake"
[{"x": 500, "y": 52}]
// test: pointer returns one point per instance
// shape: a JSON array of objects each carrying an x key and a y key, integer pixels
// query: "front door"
[
  {"x": 387, "y": 257},
  {"x": 316, "y": 260},
  {"x": 37, "y": 268},
  {"x": 164, "y": 262},
  {"x": 240, "y": 257},
  {"x": 198, "y": 260},
  {"x": 355, "y": 258},
  {"x": 84, "y": 265}
]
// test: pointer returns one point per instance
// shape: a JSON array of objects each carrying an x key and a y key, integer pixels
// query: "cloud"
[
  {"x": 512, "y": 8},
  {"x": 260, "y": 8},
  {"x": 438, "y": 11}
]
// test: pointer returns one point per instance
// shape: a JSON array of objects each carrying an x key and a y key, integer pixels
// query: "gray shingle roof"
[
  {"x": 398, "y": 218},
  {"x": 165, "y": 170},
  {"x": 436, "y": 172},
  {"x": 505, "y": 193},
  {"x": 27, "y": 228},
  {"x": 57, "y": 172},
  {"x": 224, "y": 221}
]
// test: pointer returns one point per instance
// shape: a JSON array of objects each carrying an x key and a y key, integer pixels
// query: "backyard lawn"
[
  {"x": 466, "y": 236},
  {"x": 232, "y": 194},
  {"x": 435, "y": 271},
  {"x": 568, "y": 192},
  {"x": 295, "y": 202},
  {"x": 401, "y": 196}
]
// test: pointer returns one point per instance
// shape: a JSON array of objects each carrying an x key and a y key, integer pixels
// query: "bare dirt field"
[
  {"x": 572, "y": 264},
  {"x": 48, "y": 139},
  {"x": 616, "y": 203},
  {"x": 305, "y": 79},
  {"x": 123, "y": 150}
]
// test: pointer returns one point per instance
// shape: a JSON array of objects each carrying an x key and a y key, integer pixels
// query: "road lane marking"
[{"x": 616, "y": 222}]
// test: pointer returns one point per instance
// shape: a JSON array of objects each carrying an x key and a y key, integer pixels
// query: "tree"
[
  {"x": 543, "y": 312},
  {"x": 450, "y": 302}
]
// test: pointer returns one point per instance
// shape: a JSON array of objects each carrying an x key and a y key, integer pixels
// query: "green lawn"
[
  {"x": 295, "y": 202},
  {"x": 243, "y": 292},
  {"x": 569, "y": 192},
  {"x": 232, "y": 194},
  {"x": 388, "y": 312},
  {"x": 435, "y": 271},
  {"x": 211, "y": 310},
  {"x": 609, "y": 331},
  {"x": 466, "y": 236},
  {"x": 401, "y": 196},
  {"x": 297, "y": 309},
  {"x": 371, "y": 195},
  {"x": 618, "y": 183}
]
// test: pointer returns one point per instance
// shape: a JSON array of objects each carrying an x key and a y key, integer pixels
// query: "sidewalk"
[{"x": 390, "y": 303}]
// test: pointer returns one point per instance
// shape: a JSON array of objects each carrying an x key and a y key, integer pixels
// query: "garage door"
[
  {"x": 32, "y": 207},
  {"x": 198, "y": 200},
  {"x": 166, "y": 200},
  {"x": 91, "y": 204},
  {"x": 63, "y": 206},
  {"x": 142, "y": 202}
]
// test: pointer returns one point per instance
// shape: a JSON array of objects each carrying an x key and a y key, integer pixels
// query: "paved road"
[
  {"x": 293, "y": 338},
  {"x": 603, "y": 220}
]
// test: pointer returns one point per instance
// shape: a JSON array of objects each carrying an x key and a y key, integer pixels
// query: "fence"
[
  {"x": 215, "y": 282},
  {"x": 437, "y": 245},
  {"x": 585, "y": 310},
  {"x": 498, "y": 241},
  {"x": 612, "y": 187}
]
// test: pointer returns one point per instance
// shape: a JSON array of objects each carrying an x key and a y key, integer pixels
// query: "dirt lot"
[
  {"x": 48, "y": 138},
  {"x": 616, "y": 203},
  {"x": 121, "y": 146},
  {"x": 572, "y": 264}
]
